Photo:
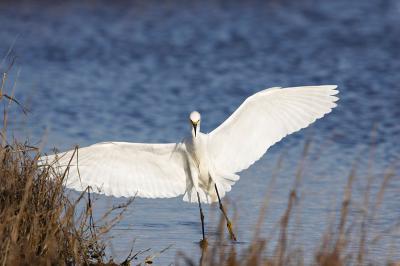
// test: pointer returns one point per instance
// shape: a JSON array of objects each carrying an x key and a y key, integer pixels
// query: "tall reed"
[
  {"x": 39, "y": 224},
  {"x": 347, "y": 240}
]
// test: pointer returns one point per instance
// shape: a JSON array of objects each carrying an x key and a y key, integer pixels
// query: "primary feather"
[
  {"x": 126, "y": 169},
  {"x": 264, "y": 119}
]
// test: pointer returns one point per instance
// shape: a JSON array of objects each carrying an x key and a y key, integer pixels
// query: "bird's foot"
[
  {"x": 203, "y": 243},
  {"x": 231, "y": 233}
]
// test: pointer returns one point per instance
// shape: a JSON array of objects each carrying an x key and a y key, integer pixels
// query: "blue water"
[{"x": 92, "y": 71}]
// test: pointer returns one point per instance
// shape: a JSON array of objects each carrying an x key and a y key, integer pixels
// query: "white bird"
[{"x": 203, "y": 167}]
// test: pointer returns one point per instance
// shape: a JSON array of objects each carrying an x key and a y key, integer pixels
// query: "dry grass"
[
  {"x": 39, "y": 225},
  {"x": 346, "y": 240}
]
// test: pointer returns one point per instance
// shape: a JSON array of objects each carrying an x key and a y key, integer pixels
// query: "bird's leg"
[
  {"x": 228, "y": 222},
  {"x": 203, "y": 242}
]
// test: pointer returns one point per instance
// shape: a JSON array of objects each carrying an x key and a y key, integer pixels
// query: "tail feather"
[
  {"x": 191, "y": 196},
  {"x": 224, "y": 184}
]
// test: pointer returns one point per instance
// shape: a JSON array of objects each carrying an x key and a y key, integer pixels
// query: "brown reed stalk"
[{"x": 39, "y": 225}]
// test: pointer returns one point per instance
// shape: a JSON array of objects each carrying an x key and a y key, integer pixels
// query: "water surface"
[{"x": 133, "y": 71}]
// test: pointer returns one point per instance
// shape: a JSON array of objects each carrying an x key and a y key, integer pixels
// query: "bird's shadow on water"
[
  {"x": 189, "y": 223},
  {"x": 228, "y": 244},
  {"x": 155, "y": 225}
]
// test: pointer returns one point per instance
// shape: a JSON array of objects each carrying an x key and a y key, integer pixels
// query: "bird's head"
[{"x": 194, "y": 119}]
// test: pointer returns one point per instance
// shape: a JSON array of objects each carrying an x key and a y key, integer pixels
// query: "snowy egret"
[{"x": 202, "y": 167}]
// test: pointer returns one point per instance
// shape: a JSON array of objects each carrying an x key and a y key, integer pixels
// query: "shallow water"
[{"x": 133, "y": 71}]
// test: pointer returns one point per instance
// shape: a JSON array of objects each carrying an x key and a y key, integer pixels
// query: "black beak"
[{"x": 195, "y": 128}]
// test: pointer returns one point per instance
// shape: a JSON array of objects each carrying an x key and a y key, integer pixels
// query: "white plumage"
[
  {"x": 202, "y": 160},
  {"x": 124, "y": 169}
]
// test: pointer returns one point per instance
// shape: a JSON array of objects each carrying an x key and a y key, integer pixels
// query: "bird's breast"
[
  {"x": 201, "y": 156},
  {"x": 199, "y": 153}
]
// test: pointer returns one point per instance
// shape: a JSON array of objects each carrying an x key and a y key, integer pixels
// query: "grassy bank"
[{"x": 39, "y": 224}]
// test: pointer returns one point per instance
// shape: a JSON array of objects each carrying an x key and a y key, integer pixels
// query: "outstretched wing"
[
  {"x": 126, "y": 169},
  {"x": 264, "y": 119}
]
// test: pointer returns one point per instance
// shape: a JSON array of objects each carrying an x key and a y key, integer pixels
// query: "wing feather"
[
  {"x": 126, "y": 169},
  {"x": 264, "y": 119}
]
